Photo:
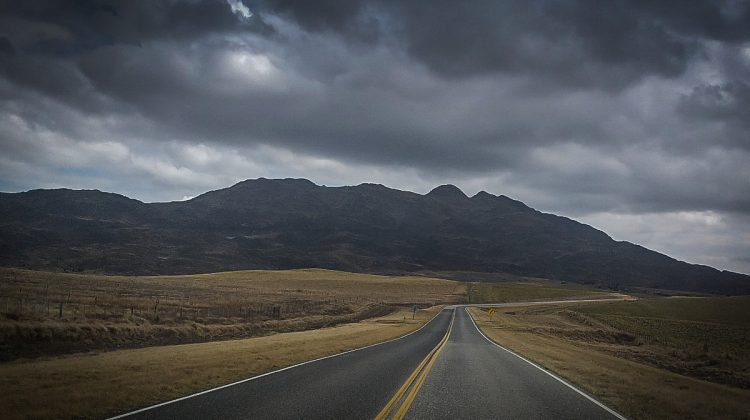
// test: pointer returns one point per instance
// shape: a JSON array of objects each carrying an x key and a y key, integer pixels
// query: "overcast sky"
[{"x": 632, "y": 116}]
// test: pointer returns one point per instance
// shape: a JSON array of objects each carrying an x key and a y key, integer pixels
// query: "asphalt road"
[
  {"x": 469, "y": 378},
  {"x": 354, "y": 385},
  {"x": 476, "y": 379}
]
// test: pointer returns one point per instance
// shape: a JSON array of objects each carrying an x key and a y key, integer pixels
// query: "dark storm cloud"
[
  {"x": 728, "y": 102},
  {"x": 582, "y": 107},
  {"x": 605, "y": 44},
  {"x": 61, "y": 27},
  {"x": 6, "y": 48},
  {"x": 41, "y": 40},
  {"x": 157, "y": 59},
  {"x": 332, "y": 15},
  {"x": 575, "y": 46}
]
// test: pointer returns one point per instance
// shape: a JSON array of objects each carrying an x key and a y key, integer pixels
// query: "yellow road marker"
[{"x": 416, "y": 379}]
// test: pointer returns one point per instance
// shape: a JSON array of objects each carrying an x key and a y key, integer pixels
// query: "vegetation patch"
[
  {"x": 44, "y": 314},
  {"x": 528, "y": 290},
  {"x": 701, "y": 337},
  {"x": 651, "y": 358},
  {"x": 109, "y": 383}
]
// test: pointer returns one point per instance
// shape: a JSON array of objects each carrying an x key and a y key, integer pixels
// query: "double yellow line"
[{"x": 414, "y": 382}]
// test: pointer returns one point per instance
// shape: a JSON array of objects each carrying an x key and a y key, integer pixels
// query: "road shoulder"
[
  {"x": 97, "y": 385},
  {"x": 634, "y": 389}
]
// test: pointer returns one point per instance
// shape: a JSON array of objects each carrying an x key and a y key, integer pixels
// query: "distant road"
[
  {"x": 447, "y": 369},
  {"x": 546, "y": 302}
]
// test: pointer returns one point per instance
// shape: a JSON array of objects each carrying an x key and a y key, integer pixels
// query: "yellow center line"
[{"x": 416, "y": 379}]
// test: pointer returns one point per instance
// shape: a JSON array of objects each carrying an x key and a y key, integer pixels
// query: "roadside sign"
[{"x": 491, "y": 312}]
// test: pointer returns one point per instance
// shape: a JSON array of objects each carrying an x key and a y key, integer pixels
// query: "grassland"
[
  {"x": 656, "y": 358},
  {"x": 529, "y": 290},
  {"x": 44, "y": 314},
  {"x": 98, "y": 385},
  {"x": 702, "y": 337},
  {"x": 67, "y": 340}
]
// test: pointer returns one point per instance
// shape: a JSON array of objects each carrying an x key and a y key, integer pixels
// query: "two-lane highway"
[
  {"x": 475, "y": 379},
  {"x": 447, "y": 369},
  {"x": 354, "y": 385}
]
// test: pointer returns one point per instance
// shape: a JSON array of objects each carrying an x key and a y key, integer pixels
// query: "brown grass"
[
  {"x": 53, "y": 313},
  {"x": 602, "y": 357},
  {"x": 530, "y": 290},
  {"x": 98, "y": 385}
]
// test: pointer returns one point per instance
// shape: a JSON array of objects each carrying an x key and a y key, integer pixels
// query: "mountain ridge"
[{"x": 294, "y": 223}]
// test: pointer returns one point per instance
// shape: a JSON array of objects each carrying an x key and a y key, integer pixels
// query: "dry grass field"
[
  {"x": 108, "y": 383},
  {"x": 705, "y": 338},
  {"x": 66, "y": 340},
  {"x": 657, "y": 358},
  {"x": 44, "y": 314},
  {"x": 529, "y": 290}
]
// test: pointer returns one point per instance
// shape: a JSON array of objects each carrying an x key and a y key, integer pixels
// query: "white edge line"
[
  {"x": 120, "y": 416},
  {"x": 563, "y": 381}
]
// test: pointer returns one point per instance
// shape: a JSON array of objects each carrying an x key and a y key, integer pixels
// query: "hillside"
[{"x": 293, "y": 223}]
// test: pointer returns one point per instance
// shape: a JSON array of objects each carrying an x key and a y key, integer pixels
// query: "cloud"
[
  {"x": 615, "y": 110},
  {"x": 727, "y": 103},
  {"x": 577, "y": 42},
  {"x": 63, "y": 28},
  {"x": 239, "y": 9},
  {"x": 702, "y": 237}
]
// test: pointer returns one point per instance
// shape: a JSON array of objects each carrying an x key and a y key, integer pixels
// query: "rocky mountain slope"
[{"x": 267, "y": 223}]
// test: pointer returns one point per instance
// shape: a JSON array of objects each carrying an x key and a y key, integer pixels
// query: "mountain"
[{"x": 291, "y": 223}]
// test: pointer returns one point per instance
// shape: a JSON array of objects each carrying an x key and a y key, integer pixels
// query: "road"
[
  {"x": 354, "y": 385},
  {"x": 447, "y": 369},
  {"x": 475, "y": 379}
]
